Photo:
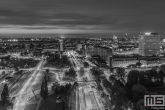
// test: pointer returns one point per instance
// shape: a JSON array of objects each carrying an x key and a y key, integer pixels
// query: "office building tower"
[
  {"x": 149, "y": 44},
  {"x": 61, "y": 49}
]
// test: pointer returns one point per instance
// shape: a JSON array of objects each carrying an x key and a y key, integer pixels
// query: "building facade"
[
  {"x": 149, "y": 44},
  {"x": 79, "y": 47},
  {"x": 104, "y": 52}
]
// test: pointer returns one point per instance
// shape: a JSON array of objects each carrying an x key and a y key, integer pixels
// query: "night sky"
[{"x": 100, "y": 17}]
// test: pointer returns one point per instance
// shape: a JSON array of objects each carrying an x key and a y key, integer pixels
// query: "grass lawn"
[{"x": 51, "y": 104}]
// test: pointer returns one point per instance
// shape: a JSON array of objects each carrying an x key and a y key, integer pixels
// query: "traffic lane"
[
  {"x": 2, "y": 77},
  {"x": 87, "y": 98},
  {"x": 28, "y": 89},
  {"x": 12, "y": 82},
  {"x": 37, "y": 81},
  {"x": 19, "y": 85},
  {"x": 81, "y": 98},
  {"x": 32, "y": 80},
  {"x": 26, "y": 93},
  {"x": 21, "y": 93}
]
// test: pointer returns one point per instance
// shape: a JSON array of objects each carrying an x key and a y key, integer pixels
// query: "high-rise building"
[
  {"x": 61, "y": 49},
  {"x": 149, "y": 44},
  {"x": 102, "y": 51}
]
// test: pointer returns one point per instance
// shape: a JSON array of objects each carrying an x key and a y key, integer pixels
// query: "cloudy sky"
[{"x": 82, "y": 16}]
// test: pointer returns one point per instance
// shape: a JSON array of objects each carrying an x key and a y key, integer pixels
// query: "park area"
[{"x": 54, "y": 61}]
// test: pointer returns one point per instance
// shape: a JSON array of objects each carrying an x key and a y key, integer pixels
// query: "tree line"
[{"x": 130, "y": 92}]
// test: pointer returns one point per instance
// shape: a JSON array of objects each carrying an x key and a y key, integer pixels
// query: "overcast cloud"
[{"x": 82, "y": 16}]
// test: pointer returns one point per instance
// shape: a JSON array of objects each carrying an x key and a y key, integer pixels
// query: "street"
[{"x": 89, "y": 97}]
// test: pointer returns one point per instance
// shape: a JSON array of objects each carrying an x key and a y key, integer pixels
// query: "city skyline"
[{"x": 81, "y": 17}]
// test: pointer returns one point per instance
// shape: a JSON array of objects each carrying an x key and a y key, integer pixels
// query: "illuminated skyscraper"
[
  {"x": 61, "y": 49},
  {"x": 149, "y": 44}
]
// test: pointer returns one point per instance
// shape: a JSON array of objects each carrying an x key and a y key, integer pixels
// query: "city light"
[
  {"x": 148, "y": 33},
  {"x": 80, "y": 55}
]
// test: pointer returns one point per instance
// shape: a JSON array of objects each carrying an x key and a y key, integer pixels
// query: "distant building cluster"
[{"x": 147, "y": 44}]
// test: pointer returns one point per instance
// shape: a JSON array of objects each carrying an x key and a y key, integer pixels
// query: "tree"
[
  {"x": 68, "y": 89},
  {"x": 75, "y": 85},
  {"x": 120, "y": 72},
  {"x": 111, "y": 70},
  {"x": 16, "y": 69},
  {"x": 132, "y": 79},
  {"x": 161, "y": 76},
  {"x": 152, "y": 78},
  {"x": 141, "y": 78},
  {"x": 5, "y": 94},
  {"x": 32, "y": 45},
  {"x": 21, "y": 53},
  {"x": 44, "y": 89},
  {"x": 112, "y": 78},
  {"x": 47, "y": 70},
  {"x": 54, "y": 86},
  {"x": 3, "y": 72},
  {"x": 96, "y": 72},
  {"x": 140, "y": 105},
  {"x": 138, "y": 64},
  {"x": 118, "y": 94},
  {"x": 138, "y": 92},
  {"x": 57, "y": 56},
  {"x": 81, "y": 71},
  {"x": 133, "y": 76},
  {"x": 71, "y": 73},
  {"x": 86, "y": 65}
]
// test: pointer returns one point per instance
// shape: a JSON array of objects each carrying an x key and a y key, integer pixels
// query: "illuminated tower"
[
  {"x": 61, "y": 49},
  {"x": 61, "y": 45},
  {"x": 149, "y": 44}
]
